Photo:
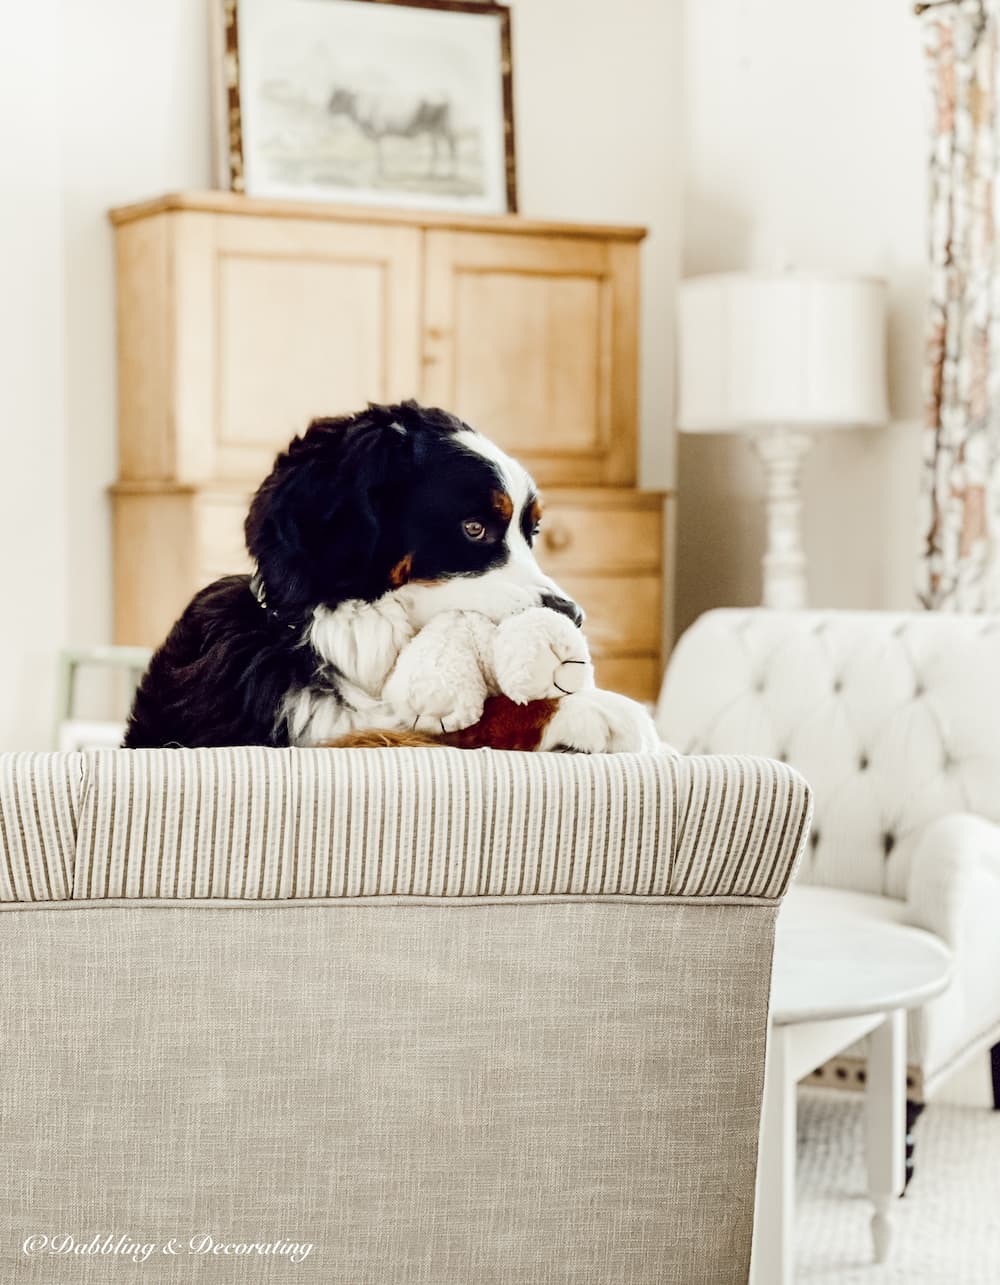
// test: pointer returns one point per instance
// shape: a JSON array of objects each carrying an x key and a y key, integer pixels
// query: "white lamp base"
[{"x": 784, "y": 567}]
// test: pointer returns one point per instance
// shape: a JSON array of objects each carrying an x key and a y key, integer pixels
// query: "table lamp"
[{"x": 781, "y": 356}]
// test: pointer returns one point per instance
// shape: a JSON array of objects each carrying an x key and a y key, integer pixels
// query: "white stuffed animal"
[{"x": 442, "y": 678}]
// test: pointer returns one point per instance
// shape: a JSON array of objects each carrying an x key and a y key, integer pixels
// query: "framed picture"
[{"x": 382, "y": 102}]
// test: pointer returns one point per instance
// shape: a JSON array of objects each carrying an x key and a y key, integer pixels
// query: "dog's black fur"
[{"x": 355, "y": 507}]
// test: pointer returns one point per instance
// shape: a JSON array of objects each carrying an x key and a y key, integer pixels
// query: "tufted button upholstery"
[
  {"x": 882, "y": 712},
  {"x": 892, "y": 719}
]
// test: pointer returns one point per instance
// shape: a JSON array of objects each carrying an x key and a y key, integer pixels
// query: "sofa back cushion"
[
  {"x": 250, "y": 824},
  {"x": 891, "y": 717}
]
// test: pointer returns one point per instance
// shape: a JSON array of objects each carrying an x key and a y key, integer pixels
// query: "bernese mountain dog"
[{"x": 367, "y": 527}]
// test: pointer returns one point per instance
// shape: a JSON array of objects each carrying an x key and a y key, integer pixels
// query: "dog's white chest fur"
[{"x": 361, "y": 641}]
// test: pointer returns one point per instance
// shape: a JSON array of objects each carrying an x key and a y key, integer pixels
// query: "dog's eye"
[{"x": 474, "y": 529}]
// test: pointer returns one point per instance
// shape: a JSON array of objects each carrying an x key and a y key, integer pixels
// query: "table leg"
[
  {"x": 885, "y": 1123},
  {"x": 774, "y": 1231}
]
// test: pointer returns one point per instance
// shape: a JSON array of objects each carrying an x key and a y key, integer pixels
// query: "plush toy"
[
  {"x": 442, "y": 678},
  {"x": 526, "y": 683}
]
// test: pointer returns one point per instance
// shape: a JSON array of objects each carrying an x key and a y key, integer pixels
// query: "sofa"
[
  {"x": 892, "y": 718},
  {"x": 419, "y": 1017}
]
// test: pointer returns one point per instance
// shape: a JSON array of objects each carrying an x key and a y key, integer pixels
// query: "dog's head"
[{"x": 399, "y": 498}]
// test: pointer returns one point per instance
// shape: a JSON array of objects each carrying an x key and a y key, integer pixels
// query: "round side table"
[{"x": 838, "y": 975}]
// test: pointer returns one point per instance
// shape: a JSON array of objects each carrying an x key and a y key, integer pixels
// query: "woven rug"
[{"x": 946, "y": 1230}]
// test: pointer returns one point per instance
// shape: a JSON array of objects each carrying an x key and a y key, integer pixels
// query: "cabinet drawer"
[
  {"x": 635, "y": 676},
  {"x": 577, "y": 536},
  {"x": 623, "y": 612}
]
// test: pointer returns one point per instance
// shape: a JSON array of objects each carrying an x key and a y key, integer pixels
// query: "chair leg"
[
  {"x": 995, "y": 1070},
  {"x": 913, "y": 1112}
]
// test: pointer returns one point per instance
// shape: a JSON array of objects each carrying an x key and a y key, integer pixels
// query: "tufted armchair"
[{"x": 893, "y": 719}]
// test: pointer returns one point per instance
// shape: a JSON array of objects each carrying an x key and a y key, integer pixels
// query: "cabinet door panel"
[
  {"x": 532, "y": 340},
  {"x": 280, "y": 321},
  {"x": 296, "y": 340},
  {"x": 547, "y": 330},
  {"x": 579, "y": 537}
]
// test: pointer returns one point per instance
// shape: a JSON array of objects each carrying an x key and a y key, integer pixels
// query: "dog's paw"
[
  {"x": 540, "y": 654},
  {"x": 599, "y": 722}
]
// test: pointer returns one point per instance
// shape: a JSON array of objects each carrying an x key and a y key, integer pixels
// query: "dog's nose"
[{"x": 565, "y": 605}]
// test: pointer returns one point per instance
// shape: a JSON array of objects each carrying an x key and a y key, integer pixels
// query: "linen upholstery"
[
  {"x": 890, "y": 717},
  {"x": 487, "y": 1080}
]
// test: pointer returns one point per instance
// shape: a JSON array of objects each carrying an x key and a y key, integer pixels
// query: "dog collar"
[{"x": 258, "y": 591}]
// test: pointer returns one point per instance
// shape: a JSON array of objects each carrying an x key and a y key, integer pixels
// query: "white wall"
[
  {"x": 804, "y": 144},
  {"x": 136, "y": 122},
  {"x": 33, "y": 523},
  {"x": 598, "y": 105},
  {"x": 102, "y": 102},
  {"x": 127, "y": 116}
]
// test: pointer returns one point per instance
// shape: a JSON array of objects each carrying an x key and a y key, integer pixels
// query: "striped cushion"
[
  {"x": 265, "y": 825},
  {"x": 39, "y": 814}
]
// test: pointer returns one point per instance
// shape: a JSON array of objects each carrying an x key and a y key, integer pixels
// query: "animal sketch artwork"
[
  {"x": 378, "y": 118},
  {"x": 402, "y": 103}
]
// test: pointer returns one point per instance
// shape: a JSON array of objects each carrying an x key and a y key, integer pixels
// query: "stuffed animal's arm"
[{"x": 442, "y": 677}]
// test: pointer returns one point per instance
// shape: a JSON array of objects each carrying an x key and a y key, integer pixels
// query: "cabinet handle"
[
  {"x": 438, "y": 332},
  {"x": 557, "y": 538}
]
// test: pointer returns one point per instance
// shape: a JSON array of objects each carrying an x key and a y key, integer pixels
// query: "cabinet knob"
[{"x": 556, "y": 538}]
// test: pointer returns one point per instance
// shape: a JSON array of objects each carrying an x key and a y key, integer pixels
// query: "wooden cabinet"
[{"x": 240, "y": 320}]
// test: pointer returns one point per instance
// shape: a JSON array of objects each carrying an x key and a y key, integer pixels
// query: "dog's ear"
[{"x": 315, "y": 524}]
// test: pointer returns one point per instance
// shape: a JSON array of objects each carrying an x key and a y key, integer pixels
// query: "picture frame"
[{"x": 405, "y": 103}]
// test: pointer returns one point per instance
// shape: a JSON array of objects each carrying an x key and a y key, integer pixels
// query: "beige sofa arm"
[{"x": 954, "y": 883}]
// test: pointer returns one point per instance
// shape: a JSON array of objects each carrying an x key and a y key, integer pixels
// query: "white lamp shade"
[{"x": 792, "y": 349}]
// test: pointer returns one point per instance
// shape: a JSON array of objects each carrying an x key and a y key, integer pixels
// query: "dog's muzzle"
[{"x": 565, "y": 606}]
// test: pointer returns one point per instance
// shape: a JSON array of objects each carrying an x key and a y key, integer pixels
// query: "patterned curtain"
[{"x": 960, "y": 562}]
